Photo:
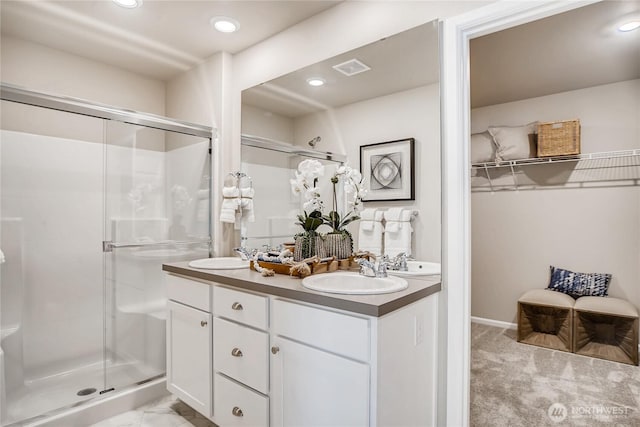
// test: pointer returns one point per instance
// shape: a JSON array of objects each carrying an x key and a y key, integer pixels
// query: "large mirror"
[{"x": 384, "y": 91}]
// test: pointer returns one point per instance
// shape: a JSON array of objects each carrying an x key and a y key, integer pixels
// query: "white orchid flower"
[{"x": 311, "y": 169}]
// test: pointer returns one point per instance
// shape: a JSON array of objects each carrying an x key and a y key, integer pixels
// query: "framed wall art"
[{"x": 389, "y": 168}]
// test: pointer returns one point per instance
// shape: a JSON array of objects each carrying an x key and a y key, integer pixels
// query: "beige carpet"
[{"x": 515, "y": 384}]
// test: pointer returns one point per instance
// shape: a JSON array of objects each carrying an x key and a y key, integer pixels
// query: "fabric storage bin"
[{"x": 561, "y": 138}]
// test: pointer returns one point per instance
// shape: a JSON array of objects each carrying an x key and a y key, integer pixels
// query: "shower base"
[{"x": 44, "y": 396}]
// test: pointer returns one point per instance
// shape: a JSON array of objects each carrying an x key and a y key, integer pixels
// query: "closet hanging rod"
[{"x": 283, "y": 147}]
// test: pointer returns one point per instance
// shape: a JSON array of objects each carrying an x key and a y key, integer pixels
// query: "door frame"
[{"x": 455, "y": 319}]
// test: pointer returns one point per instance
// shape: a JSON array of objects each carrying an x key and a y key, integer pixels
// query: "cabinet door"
[
  {"x": 189, "y": 362},
  {"x": 311, "y": 387}
]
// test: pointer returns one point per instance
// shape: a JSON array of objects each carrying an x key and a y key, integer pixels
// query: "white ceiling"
[
  {"x": 159, "y": 39},
  {"x": 162, "y": 38},
  {"x": 573, "y": 50},
  {"x": 401, "y": 62}
]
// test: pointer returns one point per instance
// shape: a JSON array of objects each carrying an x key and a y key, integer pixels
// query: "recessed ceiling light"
[
  {"x": 224, "y": 24},
  {"x": 129, "y": 4},
  {"x": 315, "y": 81},
  {"x": 629, "y": 26}
]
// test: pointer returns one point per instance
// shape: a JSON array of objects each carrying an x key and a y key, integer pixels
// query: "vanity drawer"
[
  {"x": 239, "y": 306},
  {"x": 334, "y": 332},
  {"x": 241, "y": 353},
  {"x": 190, "y": 292},
  {"x": 235, "y": 405}
]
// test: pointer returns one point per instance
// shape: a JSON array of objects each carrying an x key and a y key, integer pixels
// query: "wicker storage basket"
[{"x": 560, "y": 138}]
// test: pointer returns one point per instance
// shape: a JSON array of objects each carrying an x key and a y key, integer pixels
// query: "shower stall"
[
  {"x": 92, "y": 201},
  {"x": 271, "y": 164}
]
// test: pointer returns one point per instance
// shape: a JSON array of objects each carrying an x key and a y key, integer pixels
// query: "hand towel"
[
  {"x": 397, "y": 231},
  {"x": 246, "y": 204},
  {"x": 399, "y": 240},
  {"x": 399, "y": 214},
  {"x": 1, "y": 257},
  {"x": 230, "y": 203},
  {"x": 370, "y": 231},
  {"x": 393, "y": 214}
]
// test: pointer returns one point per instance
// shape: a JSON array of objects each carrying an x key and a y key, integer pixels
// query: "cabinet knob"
[
  {"x": 237, "y": 411},
  {"x": 203, "y": 323},
  {"x": 275, "y": 349},
  {"x": 236, "y": 352},
  {"x": 236, "y": 306}
]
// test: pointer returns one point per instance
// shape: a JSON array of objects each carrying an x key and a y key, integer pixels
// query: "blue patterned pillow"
[{"x": 579, "y": 284}]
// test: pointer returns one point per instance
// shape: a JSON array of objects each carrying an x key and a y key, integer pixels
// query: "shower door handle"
[{"x": 110, "y": 245}]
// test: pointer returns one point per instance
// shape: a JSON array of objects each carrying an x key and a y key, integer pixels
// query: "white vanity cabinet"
[
  {"x": 332, "y": 368},
  {"x": 278, "y": 361},
  {"x": 320, "y": 369},
  {"x": 189, "y": 342},
  {"x": 241, "y": 361}
]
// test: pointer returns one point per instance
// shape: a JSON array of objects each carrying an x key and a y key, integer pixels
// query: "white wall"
[
  {"x": 258, "y": 122},
  {"x": 410, "y": 114},
  {"x": 516, "y": 235},
  {"x": 41, "y": 68},
  {"x": 203, "y": 95}
]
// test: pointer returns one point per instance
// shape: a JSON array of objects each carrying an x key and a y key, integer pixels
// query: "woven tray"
[{"x": 316, "y": 267}]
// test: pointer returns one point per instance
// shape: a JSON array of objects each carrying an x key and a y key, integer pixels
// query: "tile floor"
[{"x": 165, "y": 412}]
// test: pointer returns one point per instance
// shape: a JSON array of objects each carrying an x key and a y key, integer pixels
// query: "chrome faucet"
[
  {"x": 369, "y": 269},
  {"x": 243, "y": 252},
  {"x": 400, "y": 262}
]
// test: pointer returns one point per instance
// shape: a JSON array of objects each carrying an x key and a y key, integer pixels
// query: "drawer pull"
[
  {"x": 275, "y": 349},
  {"x": 203, "y": 323},
  {"x": 236, "y": 352},
  {"x": 236, "y": 306},
  {"x": 237, "y": 411}
]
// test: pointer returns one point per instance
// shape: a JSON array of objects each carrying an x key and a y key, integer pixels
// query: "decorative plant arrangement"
[{"x": 338, "y": 242}]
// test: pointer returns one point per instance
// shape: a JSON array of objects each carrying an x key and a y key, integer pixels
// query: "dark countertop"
[{"x": 291, "y": 287}]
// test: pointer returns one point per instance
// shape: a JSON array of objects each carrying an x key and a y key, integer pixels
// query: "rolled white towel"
[
  {"x": 247, "y": 192},
  {"x": 230, "y": 192}
]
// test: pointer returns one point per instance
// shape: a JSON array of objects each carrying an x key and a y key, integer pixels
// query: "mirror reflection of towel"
[{"x": 230, "y": 203}]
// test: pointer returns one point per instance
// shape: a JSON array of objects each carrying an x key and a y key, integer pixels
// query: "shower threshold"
[{"x": 48, "y": 395}]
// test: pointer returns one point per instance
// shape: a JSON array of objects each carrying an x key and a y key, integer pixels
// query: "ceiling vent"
[{"x": 351, "y": 67}]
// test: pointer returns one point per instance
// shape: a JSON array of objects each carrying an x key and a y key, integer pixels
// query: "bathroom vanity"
[{"x": 247, "y": 350}]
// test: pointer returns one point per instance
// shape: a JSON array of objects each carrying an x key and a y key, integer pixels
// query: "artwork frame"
[{"x": 389, "y": 170}]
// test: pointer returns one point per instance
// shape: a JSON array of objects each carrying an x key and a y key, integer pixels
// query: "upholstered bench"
[
  {"x": 545, "y": 319},
  {"x": 606, "y": 328}
]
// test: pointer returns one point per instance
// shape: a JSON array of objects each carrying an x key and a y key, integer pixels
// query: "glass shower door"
[
  {"x": 157, "y": 205},
  {"x": 51, "y": 280}
]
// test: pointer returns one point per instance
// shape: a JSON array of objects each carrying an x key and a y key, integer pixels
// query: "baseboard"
[{"x": 496, "y": 323}]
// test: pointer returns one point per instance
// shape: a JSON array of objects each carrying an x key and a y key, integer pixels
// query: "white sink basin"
[
  {"x": 418, "y": 268},
  {"x": 353, "y": 284},
  {"x": 220, "y": 263}
]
